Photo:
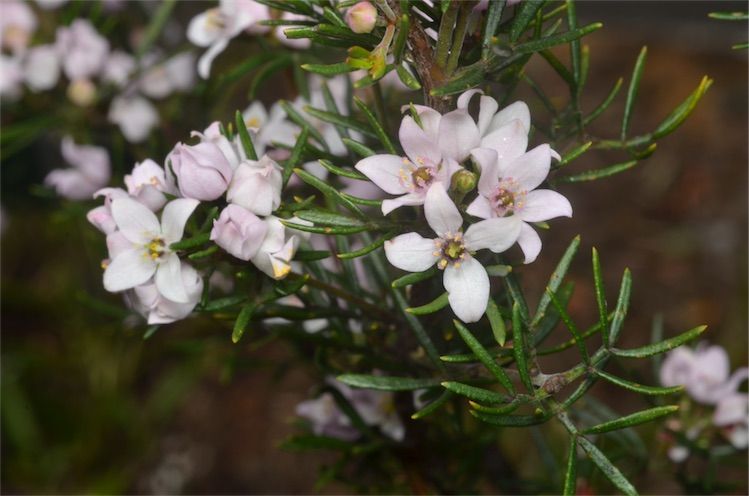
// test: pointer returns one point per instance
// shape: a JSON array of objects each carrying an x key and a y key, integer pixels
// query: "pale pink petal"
[
  {"x": 467, "y": 286},
  {"x": 677, "y": 367},
  {"x": 465, "y": 98},
  {"x": 206, "y": 60},
  {"x": 458, "y": 135},
  {"x": 175, "y": 217},
  {"x": 531, "y": 168},
  {"x": 544, "y": 204},
  {"x": 200, "y": 31},
  {"x": 128, "y": 269},
  {"x": 529, "y": 242},
  {"x": 509, "y": 141},
  {"x": 384, "y": 171},
  {"x": 480, "y": 207},
  {"x": 496, "y": 234},
  {"x": 731, "y": 410},
  {"x": 136, "y": 222},
  {"x": 419, "y": 147},
  {"x": 486, "y": 158},
  {"x": 169, "y": 279},
  {"x": 441, "y": 213},
  {"x": 409, "y": 199},
  {"x": 518, "y": 110},
  {"x": 411, "y": 252}
]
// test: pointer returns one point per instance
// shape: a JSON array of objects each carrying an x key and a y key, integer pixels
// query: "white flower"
[
  {"x": 135, "y": 116},
  {"x": 705, "y": 372},
  {"x": 42, "y": 68},
  {"x": 83, "y": 50},
  {"x": 118, "y": 68},
  {"x": 147, "y": 183},
  {"x": 90, "y": 171},
  {"x": 215, "y": 27},
  {"x": 149, "y": 302},
  {"x": 266, "y": 128},
  {"x": 11, "y": 77},
  {"x": 17, "y": 25},
  {"x": 434, "y": 153},
  {"x": 732, "y": 413},
  {"x": 101, "y": 216},
  {"x": 174, "y": 74},
  {"x": 256, "y": 186},
  {"x": 149, "y": 252},
  {"x": 465, "y": 279},
  {"x": 507, "y": 188}
]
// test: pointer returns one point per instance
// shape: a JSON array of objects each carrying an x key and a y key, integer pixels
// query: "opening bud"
[{"x": 362, "y": 17}]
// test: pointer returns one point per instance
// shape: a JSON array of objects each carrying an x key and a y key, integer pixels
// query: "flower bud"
[
  {"x": 256, "y": 186},
  {"x": 202, "y": 170},
  {"x": 82, "y": 92},
  {"x": 361, "y": 18},
  {"x": 239, "y": 232},
  {"x": 147, "y": 183},
  {"x": 463, "y": 181}
]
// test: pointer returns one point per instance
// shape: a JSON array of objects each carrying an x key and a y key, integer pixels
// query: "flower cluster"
[
  {"x": 441, "y": 151},
  {"x": 705, "y": 373}
]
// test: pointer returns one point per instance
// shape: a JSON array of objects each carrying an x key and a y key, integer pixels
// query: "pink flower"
[
  {"x": 147, "y": 183},
  {"x": 17, "y": 24},
  {"x": 135, "y": 116},
  {"x": 239, "y": 232},
  {"x": 149, "y": 302},
  {"x": 101, "y": 217},
  {"x": 362, "y": 17},
  {"x": 90, "y": 171},
  {"x": 202, "y": 170},
  {"x": 256, "y": 186},
  {"x": 83, "y": 50}
]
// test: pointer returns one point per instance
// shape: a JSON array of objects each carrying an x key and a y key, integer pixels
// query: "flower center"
[
  {"x": 215, "y": 20},
  {"x": 451, "y": 250},
  {"x": 156, "y": 248},
  {"x": 417, "y": 178},
  {"x": 507, "y": 198}
]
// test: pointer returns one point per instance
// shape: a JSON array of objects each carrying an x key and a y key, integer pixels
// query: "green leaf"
[
  {"x": 327, "y": 218},
  {"x": 633, "y": 419},
  {"x": 557, "y": 39},
  {"x": 729, "y": 16},
  {"x": 681, "y": 112},
  {"x": 476, "y": 393},
  {"x": 600, "y": 297},
  {"x": 223, "y": 303},
  {"x": 407, "y": 78},
  {"x": 340, "y": 171},
  {"x": 400, "y": 39},
  {"x": 366, "y": 249},
  {"x": 574, "y": 153},
  {"x": 638, "y": 388},
  {"x": 497, "y": 322},
  {"x": 150, "y": 331},
  {"x": 550, "y": 321},
  {"x": 193, "y": 242},
  {"x": 375, "y": 124},
  {"x": 519, "y": 349},
  {"x": 498, "y": 270},
  {"x": 493, "y": 16},
  {"x": 246, "y": 66},
  {"x": 203, "y": 253},
  {"x": 296, "y": 155},
  {"x": 330, "y": 191},
  {"x": 605, "y": 104},
  {"x": 387, "y": 383},
  {"x": 433, "y": 406},
  {"x": 267, "y": 71},
  {"x": 496, "y": 410},
  {"x": 484, "y": 356},
  {"x": 300, "y": 121},
  {"x": 421, "y": 334},
  {"x": 622, "y": 305},
  {"x": 570, "y": 476},
  {"x": 340, "y": 120},
  {"x": 593, "y": 175},
  {"x": 517, "y": 295},
  {"x": 575, "y": 52},
  {"x": 634, "y": 85},
  {"x": 415, "y": 277},
  {"x": 324, "y": 229},
  {"x": 434, "y": 306},
  {"x": 242, "y": 320},
  {"x": 358, "y": 148},
  {"x": 609, "y": 470},
  {"x": 244, "y": 136},
  {"x": 662, "y": 347},
  {"x": 311, "y": 255},
  {"x": 510, "y": 420},
  {"x": 155, "y": 27},
  {"x": 524, "y": 14},
  {"x": 560, "y": 271},
  {"x": 570, "y": 324}
]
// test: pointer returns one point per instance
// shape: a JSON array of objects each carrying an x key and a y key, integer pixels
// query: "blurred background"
[{"x": 89, "y": 406}]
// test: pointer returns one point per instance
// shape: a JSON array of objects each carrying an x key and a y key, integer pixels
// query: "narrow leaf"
[
  {"x": 327, "y": 218},
  {"x": 662, "y": 347},
  {"x": 570, "y": 476},
  {"x": 328, "y": 69},
  {"x": 609, "y": 470},
  {"x": 366, "y": 249},
  {"x": 244, "y": 136},
  {"x": 387, "y": 383},
  {"x": 622, "y": 305},
  {"x": 242, "y": 320},
  {"x": 633, "y": 419},
  {"x": 300, "y": 121},
  {"x": 574, "y": 153},
  {"x": 510, "y": 420},
  {"x": 296, "y": 155},
  {"x": 433, "y": 406},
  {"x": 340, "y": 171},
  {"x": 639, "y": 388},
  {"x": 557, "y": 39},
  {"x": 223, "y": 303},
  {"x": 311, "y": 255},
  {"x": 433, "y": 306},
  {"x": 375, "y": 124},
  {"x": 329, "y": 190},
  {"x": 413, "y": 278},
  {"x": 340, "y": 120},
  {"x": 600, "y": 297},
  {"x": 497, "y": 322},
  {"x": 681, "y": 112},
  {"x": 605, "y": 104},
  {"x": 593, "y": 175},
  {"x": 493, "y": 15},
  {"x": 634, "y": 85},
  {"x": 358, "y": 148},
  {"x": 476, "y": 393},
  {"x": 571, "y": 326},
  {"x": 525, "y": 12},
  {"x": 484, "y": 356},
  {"x": 519, "y": 349},
  {"x": 560, "y": 271}
]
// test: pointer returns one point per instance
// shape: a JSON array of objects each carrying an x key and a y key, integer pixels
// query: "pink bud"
[
  {"x": 361, "y": 18},
  {"x": 239, "y": 232},
  {"x": 202, "y": 170},
  {"x": 256, "y": 186}
]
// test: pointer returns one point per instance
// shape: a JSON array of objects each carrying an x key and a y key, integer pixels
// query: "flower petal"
[
  {"x": 441, "y": 213},
  {"x": 169, "y": 279},
  {"x": 174, "y": 218},
  {"x": 206, "y": 60},
  {"x": 496, "y": 234},
  {"x": 384, "y": 171},
  {"x": 458, "y": 135},
  {"x": 509, "y": 141},
  {"x": 531, "y": 168},
  {"x": 128, "y": 269},
  {"x": 409, "y": 199},
  {"x": 518, "y": 110},
  {"x": 486, "y": 158},
  {"x": 419, "y": 147},
  {"x": 411, "y": 252},
  {"x": 480, "y": 207},
  {"x": 135, "y": 220},
  {"x": 529, "y": 242},
  {"x": 544, "y": 204},
  {"x": 467, "y": 286}
]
